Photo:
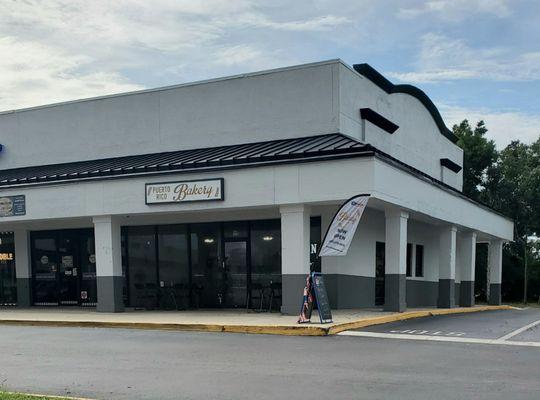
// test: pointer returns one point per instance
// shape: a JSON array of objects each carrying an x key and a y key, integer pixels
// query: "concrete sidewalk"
[{"x": 238, "y": 321}]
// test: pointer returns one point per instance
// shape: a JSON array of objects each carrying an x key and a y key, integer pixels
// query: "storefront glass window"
[
  {"x": 143, "y": 288},
  {"x": 208, "y": 265},
  {"x": 173, "y": 266},
  {"x": 8, "y": 281},
  {"x": 265, "y": 252},
  {"x": 235, "y": 230}
]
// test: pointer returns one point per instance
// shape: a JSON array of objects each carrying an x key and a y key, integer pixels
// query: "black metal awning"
[{"x": 311, "y": 148}]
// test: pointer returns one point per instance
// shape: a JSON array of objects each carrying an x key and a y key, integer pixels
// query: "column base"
[
  {"x": 395, "y": 286},
  {"x": 110, "y": 297},
  {"x": 494, "y": 294},
  {"x": 292, "y": 292},
  {"x": 447, "y": 297},
  {"x": 350, "y": 291},
  {"x": 422, "y": 293},
  {"x": 24, "y": 292},
  {"x": 466, "y": 296}
]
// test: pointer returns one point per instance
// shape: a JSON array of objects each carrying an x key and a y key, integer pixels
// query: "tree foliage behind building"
[{"x": 508, "y": 181}]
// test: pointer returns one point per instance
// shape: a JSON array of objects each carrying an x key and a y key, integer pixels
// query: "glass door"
[
  {"x": 45, "y": 269},
  {"x": 235, "y": 277},
  {"x": 207, "y": 267},
  {"x": 173, "y": 272},
  {"x": 68, "y": 268},
  {"x": 87, "y": 264}
]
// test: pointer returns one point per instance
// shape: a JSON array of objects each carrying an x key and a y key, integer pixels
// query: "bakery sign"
[
  {"x": 11, "y": 206},
  {"x": 184, "y": 191}
]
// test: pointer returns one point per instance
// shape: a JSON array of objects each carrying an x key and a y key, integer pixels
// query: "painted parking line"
[
  {"x": 429, "y": 333},
  {"x": 520, "y": 330},
  {"x": 453, "y": 339}
]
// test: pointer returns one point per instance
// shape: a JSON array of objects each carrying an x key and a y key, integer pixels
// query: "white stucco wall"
[
  {"x": 314, "y": 182},
  {"x": 418, "y": 141},
  {"x": 360, "y": 260},
  {"x": 291, "y": 102},
  {"x": 298, "y": 101}
]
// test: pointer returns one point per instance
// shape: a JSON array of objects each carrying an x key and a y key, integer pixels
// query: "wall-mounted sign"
[
  {"x": 12, "y": 206},
  {"x": 44, "y": 260},
  {"x": 179, "y": 192},
  {"x": 6, "y": 256}
]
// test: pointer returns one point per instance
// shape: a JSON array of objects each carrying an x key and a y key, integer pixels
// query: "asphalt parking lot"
[
  {"x": 123, "y": 364},
  {"x": 505, "y": 327}
]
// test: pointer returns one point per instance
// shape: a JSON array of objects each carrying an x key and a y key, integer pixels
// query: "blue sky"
[{"x": 476, "y": 59}]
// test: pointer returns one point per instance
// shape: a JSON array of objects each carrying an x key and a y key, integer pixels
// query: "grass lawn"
[{"x": 22, "y": 396}]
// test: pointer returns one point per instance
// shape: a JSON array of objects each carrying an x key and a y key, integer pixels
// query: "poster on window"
[
  {"x": 11, "y": 206},
  {"x": 341, "y": 231}
]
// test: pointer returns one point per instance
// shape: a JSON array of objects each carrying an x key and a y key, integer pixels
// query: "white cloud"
[
  {"x": 503, "y": 127},
  {"x": 34, "y": 73},
  {"x": 445, "y": 59},
  {"x": 234, "y": 55},
  {"x": 321, "y": 23},
  {"x": 457, "y": 9},
  {"x": 58, "y": 50}
]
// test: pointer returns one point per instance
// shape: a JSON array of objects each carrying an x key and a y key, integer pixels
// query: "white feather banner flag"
[{"x": 341, "y": 231}]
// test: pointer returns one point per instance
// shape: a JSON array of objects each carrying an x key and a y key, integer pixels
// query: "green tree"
[
  {"x": 479, "y": 156},
  {"x": 518, "y": 197},
  {"x": 509, "y": 182}
]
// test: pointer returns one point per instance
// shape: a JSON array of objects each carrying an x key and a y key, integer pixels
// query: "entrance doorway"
[
  {"x": 379, "y": 273},
  {"x": 64, "y": 267},
  {"x": 236, "y": 267}
]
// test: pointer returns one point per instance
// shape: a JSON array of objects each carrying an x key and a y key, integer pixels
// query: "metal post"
[{"x": 525, "y": 271}]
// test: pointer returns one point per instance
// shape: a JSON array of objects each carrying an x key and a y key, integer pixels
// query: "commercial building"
[{"x": 216, "y": 193}]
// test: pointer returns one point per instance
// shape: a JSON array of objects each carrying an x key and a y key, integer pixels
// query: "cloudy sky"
[{"x": 477, "y": 59}]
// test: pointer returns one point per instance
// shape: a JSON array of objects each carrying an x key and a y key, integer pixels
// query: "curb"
[
  {"x": 410, "y": 315},
  {"x": 299, "y": 330}
]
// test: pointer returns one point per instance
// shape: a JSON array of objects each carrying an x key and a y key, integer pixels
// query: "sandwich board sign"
[
  {"x": 315, "y": 290},
  {"x": 337, "y": 241}
]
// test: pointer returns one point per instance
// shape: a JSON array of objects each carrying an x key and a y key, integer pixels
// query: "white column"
[
  {"x": 447, "y": 266},
  {"x": 108, "y": 264},
  {"x": 23, "y": 267},
  {"x": 495, "y": 271},
  {"x": 395, "y": 281},
  {"x": 294, "y": 255},
  {"x": 467, "y": 260}
]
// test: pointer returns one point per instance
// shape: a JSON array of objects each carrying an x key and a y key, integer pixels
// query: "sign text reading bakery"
[{"x": 178, "y": 192}]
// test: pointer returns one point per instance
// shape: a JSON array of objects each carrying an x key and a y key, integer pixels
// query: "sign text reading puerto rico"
[{"x": 177, "y": 192}]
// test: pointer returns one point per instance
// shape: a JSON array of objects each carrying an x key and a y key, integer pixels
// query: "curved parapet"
[{"x": 374, "y": 76}]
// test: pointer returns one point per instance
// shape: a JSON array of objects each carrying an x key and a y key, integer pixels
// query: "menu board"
[{"x": 321, "y": 297}]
